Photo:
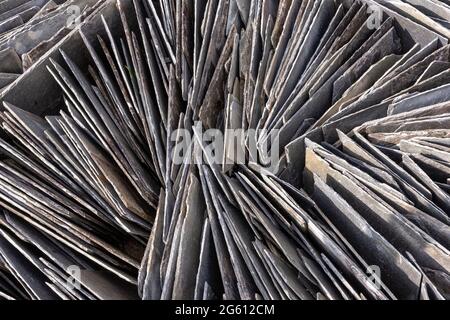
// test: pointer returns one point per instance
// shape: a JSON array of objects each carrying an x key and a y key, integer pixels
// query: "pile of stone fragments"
[{"x": 225, "y": 149}]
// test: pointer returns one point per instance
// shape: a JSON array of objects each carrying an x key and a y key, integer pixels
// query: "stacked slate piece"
[
  {"x": 29, "y": 28},
  {"x": 353, "y": 95}
]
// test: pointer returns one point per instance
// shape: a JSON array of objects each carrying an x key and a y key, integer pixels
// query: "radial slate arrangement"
[{"x": 356, "y": 95}]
